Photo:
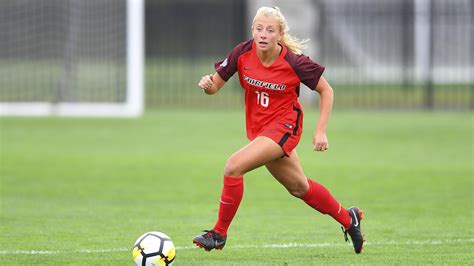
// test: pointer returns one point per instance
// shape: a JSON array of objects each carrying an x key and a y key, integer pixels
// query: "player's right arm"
[
  {"x": 225, "y": 69},
  {"x": 211, "y": 84}
]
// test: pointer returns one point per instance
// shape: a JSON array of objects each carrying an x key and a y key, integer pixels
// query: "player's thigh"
[
  {"x": 255, "y": 154},
  {"x": 289, "y": 173}
]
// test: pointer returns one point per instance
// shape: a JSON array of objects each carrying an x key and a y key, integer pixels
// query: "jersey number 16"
[{"x": 262, "y": 98}]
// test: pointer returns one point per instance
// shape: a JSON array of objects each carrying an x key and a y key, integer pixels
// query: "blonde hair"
[{"x": 289, "y": 41}]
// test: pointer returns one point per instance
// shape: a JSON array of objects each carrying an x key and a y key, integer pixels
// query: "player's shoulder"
[
  {"x": 243, "y": 47},
  {"x": 301, "y": 63},
  {"x": 306, "y": 69},
  {"x": 295, "y": 59}
]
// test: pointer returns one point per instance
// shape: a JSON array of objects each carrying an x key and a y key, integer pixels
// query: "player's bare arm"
[
  {"x": 211, "y": 83},
  {"x": 320, "y": 140}
]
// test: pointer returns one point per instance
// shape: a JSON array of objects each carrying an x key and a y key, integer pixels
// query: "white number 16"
[{"x": 263, "y": 98}]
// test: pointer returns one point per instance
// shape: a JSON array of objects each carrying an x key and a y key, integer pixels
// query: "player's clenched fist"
[
  {"x": 320, "y": 142},
  {"x": 206, "y": 82}
]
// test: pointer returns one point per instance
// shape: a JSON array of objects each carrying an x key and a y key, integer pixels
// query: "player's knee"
[{"x": 232, "y": 168}]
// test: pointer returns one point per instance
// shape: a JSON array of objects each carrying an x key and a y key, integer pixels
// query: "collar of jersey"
[{"x": 282, "y": 53}]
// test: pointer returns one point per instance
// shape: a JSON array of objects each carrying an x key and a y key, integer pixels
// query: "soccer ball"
[{"x": 153, "y": 248}]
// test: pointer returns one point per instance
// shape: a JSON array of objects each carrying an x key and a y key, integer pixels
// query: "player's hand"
[
  {"x": 320, "y": 141},
  {"x": 206, "y": 82}
]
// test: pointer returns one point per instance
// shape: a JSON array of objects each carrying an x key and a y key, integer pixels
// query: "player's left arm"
[{"x": 326, "y": 94}]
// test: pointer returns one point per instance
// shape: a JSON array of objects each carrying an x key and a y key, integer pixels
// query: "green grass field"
[{"x": 80, "y": 191}]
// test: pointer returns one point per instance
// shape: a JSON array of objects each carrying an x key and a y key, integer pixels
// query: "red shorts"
[{"x": 286, "y": 132}]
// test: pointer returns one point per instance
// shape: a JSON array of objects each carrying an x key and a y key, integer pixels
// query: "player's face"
[{"x": 266, "y": 33}]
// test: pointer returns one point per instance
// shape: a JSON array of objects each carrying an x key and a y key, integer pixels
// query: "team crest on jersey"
[
  {"x": 224, "y": 63},
  {"x": 264, "y": 84}
]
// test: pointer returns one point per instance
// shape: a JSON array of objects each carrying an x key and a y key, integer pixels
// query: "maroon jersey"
[{"x": 271, "y": 93}]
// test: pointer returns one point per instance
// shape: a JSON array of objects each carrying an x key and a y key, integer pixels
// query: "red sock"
[
  {"x": 320, "y": 199},
  {"x": 231, "y": 196}
]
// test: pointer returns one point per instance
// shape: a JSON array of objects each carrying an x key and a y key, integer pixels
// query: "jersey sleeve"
[
  {"x": 307, "y": 70},
  {"x": 227, "y": 67}
]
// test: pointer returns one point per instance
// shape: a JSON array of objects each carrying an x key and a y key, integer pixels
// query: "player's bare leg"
[
  {"x": 258, "y": 152},
  {"x": 288, "y": 171},
  {"x": 255, "y": 154}
]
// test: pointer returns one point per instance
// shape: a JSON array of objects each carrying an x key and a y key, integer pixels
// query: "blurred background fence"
[{"x": 379, "y": 54}]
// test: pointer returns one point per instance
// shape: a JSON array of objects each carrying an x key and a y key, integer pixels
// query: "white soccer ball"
[{"x": 153, "y": 248}]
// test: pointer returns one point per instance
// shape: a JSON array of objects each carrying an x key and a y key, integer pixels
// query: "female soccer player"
[{"x": 270, "y": 68}]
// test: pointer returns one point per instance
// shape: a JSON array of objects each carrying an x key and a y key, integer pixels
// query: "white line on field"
[{"x": 288, "y": 245}]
